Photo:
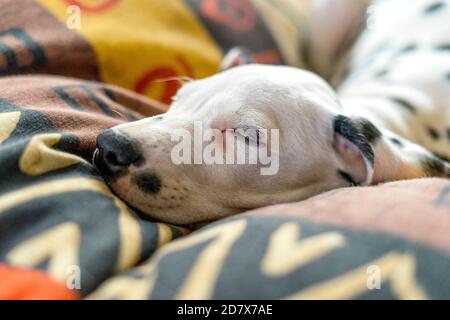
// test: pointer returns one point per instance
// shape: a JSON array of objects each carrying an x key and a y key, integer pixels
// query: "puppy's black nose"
[{"x": 115, "y": 152}]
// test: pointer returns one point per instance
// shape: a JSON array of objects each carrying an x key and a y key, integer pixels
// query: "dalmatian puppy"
[{"x": 388, "y": 119}]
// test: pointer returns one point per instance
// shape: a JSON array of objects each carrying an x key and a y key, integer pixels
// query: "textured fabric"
[
  {"x": 16, "y": 283},
  {"x": 57, "y": 215},
  {"x": 33, "y": 40},
  {"x": 135, "y": 43},
  {"x": 333, "y": 246},
  {"x": 55, "y": 210}
]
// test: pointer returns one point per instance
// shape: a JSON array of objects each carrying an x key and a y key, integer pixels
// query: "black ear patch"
[
  {"x": 360, "y": 133},
  {"x": 368, "y": 130}
]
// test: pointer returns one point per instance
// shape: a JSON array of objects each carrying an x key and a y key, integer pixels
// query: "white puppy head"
[{"x": 317, "y": 149}]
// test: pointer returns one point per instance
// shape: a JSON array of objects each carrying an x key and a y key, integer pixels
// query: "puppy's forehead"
[
  {"x": 256, "y": 87},
  {"x": 266, "y": 75},
  {"x": 278, "y": 85},
  {"x": 257, "y": 76}
]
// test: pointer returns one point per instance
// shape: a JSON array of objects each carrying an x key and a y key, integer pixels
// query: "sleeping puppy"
[
  {"x": 321, "y": 147},
  {"x": 373, "y": 130}
]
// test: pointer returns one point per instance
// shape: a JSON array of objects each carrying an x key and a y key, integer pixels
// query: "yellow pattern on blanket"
[{"x": 158, "y": 39}]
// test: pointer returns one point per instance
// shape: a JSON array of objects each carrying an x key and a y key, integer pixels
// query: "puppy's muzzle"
[{"x": 115, "y": 152}]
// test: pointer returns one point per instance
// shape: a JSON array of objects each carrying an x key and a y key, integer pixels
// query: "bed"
[{"x": 70, "y": 69}]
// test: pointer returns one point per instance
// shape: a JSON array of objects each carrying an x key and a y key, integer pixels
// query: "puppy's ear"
[
  {"x": 352, "y": 143},
  {"x": 237, "y": 56}
]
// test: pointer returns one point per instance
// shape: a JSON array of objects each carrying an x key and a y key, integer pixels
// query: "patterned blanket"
[{"x": 65, "y": 68}]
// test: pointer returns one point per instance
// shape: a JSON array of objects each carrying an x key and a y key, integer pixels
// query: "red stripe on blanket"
[{"x": 98, "y": 8}]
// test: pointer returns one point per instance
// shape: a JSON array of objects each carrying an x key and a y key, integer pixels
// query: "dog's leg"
[
  {"x": 387, "y": 156},
  {"x": 399, "y": 159},
  {"x": 395, "y": 157}
]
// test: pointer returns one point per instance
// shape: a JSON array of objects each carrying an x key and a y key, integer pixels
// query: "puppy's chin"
[{"x": 166, "y": 206}]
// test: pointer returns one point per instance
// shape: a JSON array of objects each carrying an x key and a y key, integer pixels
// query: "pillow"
[{"x": 383, "y": 242}]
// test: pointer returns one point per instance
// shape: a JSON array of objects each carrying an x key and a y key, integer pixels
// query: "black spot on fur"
[
  {"x": 381, "y": 73},
  {"x": 148, "y": 182},
  {"x": 433, "y": 167},
  {"x": 405, "y": 104},
  {"x": 396, "y": 141},
  {"x": 443, "y": 47},
  {"x": 368, "y": 130},
  {"x": 434, "y": 7},
  {"x": 344, "y": 175},
  {"x": 409, "y": 48},
  {"x": 448, "y": 134},
  {"x": 433, "y": 133},
  {"x": 158, "y": 118},
  {"x": 346, "y": 128}
]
